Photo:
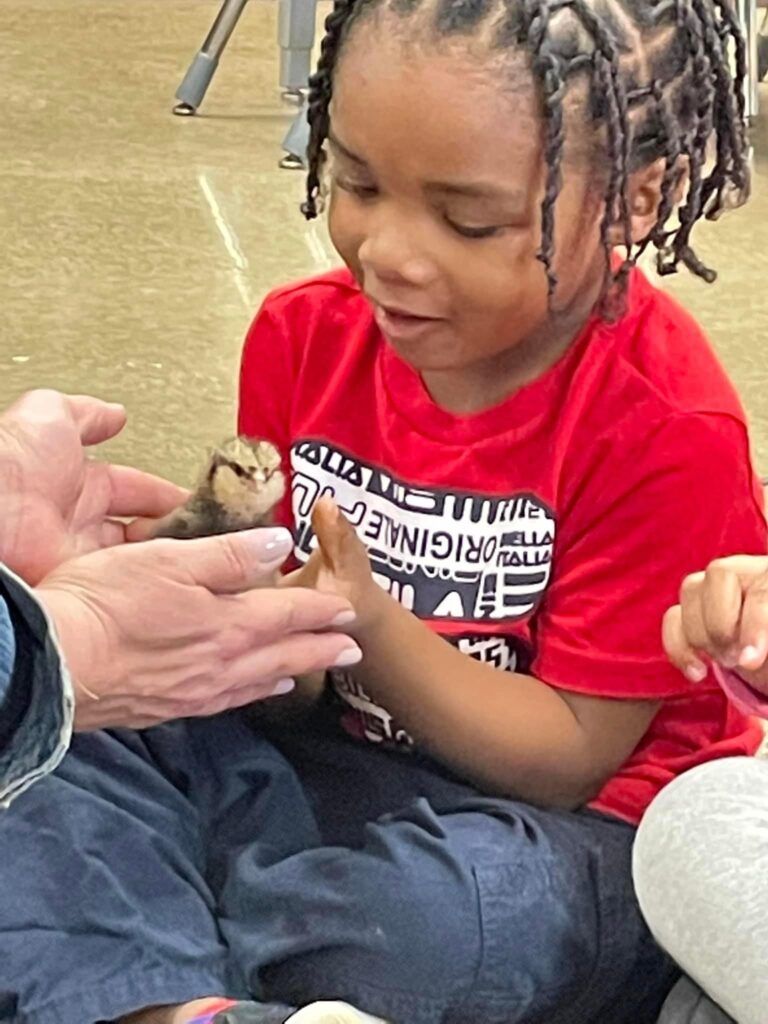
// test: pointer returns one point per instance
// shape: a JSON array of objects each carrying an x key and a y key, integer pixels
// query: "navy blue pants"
[{"x": 202, "y": 858}]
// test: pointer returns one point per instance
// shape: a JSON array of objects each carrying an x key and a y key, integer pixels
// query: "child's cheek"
[{"x": 346, "y": 228}]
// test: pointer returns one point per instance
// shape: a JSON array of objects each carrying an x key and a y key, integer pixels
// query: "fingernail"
[
  {"x": 749, "y": 655},
  {"x": 283, "y": 687},
  {"x": 696, "y": 673},
  {"x": 349, "y": 656},
  {"x": 730, "y": 658},
  {"x": 344, "y": 618},
  {"x": 270, "y": 544}
]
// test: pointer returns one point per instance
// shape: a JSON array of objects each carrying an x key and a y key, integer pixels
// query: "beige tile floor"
[{"x": 135, "y": 246}]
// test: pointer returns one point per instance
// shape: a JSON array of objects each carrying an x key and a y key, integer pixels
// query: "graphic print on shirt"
[{"x": 445, "y": 555}]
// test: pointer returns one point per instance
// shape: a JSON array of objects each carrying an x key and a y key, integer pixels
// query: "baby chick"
[{"x": 238, "y": 489}]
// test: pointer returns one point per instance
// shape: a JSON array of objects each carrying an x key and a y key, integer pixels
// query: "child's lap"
[{"x": 206, "y": 828}]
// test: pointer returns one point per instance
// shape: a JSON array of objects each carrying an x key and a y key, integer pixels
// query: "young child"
[
  {"x": 702, "y": 849},
  {"x": 527, "y": 447}
]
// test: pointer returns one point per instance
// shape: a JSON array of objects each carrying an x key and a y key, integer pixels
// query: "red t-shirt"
[{"x": 547, "y": 534}]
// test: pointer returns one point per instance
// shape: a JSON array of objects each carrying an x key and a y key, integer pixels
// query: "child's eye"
[
  {"x": 471, "y": 232},
  {"x": 356, "y": 188}
]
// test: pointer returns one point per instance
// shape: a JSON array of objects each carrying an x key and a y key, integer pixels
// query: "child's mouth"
[{"x": 398, "y": 323}]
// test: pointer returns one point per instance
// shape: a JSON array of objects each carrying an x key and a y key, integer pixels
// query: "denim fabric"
[
  {"x": 7, "y": 651},
  {"x": 204, "y": 858},
  {"x": 36, "y": 706}
]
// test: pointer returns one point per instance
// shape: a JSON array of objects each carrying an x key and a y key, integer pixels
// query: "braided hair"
[{"x": 660, "y": 87}]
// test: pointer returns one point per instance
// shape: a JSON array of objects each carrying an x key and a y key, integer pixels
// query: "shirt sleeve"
[
  {"x": 36, "y": 696},
  {"x": 682, "y": 497}
]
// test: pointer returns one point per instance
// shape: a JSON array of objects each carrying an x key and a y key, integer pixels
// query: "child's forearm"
[{"x": 508, "y": 732}]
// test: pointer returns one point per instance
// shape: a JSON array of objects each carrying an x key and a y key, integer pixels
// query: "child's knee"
[
  {"x": 692, "y": 803},
  {"x": 400, "y": 937},
  {"x": 692, "y": 832}
]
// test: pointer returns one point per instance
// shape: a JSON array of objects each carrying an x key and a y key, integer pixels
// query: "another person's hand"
[
  {"x": 57, "y": 503},
  {"x": 340, "y": 565},
  {"x": 172, "y": 629},
  {"x": 722, "y": 615}
]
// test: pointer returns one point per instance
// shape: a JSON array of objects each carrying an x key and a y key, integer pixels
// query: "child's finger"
[
  {"x": 305, "y": 576},
  {"x": 692, "y": 622},
  {"x": 325, "y": 523},
  {"x": 679, "y": 651},
  {"x": 340, "y": 545},
  {"x": 720, "y": 601},
  {"x": 753, "y": 635}
]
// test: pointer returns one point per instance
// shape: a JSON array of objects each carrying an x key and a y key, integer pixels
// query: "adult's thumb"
[
  {"x": 234, "y": 562},
  {"x": 96, "y": 421}
]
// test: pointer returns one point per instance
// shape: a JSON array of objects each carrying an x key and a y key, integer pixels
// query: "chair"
[
  {"x": 296, "y": 36},
  {"x": 747, "y": 14}
]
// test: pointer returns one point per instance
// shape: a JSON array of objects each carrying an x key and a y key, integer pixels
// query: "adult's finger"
[
  {"x": 248, "y": 694},
  {"x": 96, "y": 420},
  {"x": 135, "y": 493},
  {"x": 232, "y": 562},
  {"x": 141, "y": 528},
  {"x": 212, "y": 704},
  {"x": 296, "y": 655},
  {"x": 306, "y": 574},
  {"x": 679, "y": 651},
  {"x": 275, "y": 612}
]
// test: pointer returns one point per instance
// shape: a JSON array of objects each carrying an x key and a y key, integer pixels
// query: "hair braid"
[
  {"x": 672, "y": 149},
  {"x": 548, "y": 69},
  {"x": 320, "y": 92},
  {"x": 613, "y": 94},
  {"x": 701, "y": 96},
  {"x": 725, "y": 116},
  {"x": 660, "y": 86}
]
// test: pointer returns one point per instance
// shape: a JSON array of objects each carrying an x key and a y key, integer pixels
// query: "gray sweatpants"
[{"x": 701, "y": 874}]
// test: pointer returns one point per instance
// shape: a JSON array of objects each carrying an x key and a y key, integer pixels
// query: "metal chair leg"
[
  {"x": 747, "y": 13},
  {"x": 295, "y": 36},
  {"x": 296, "y": 141},
  {"x": 198, "y": 77}
]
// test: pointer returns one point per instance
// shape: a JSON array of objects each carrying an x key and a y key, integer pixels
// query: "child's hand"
[
  {"x": 340, "y": 566},
  {"x": 723, "y": 613}
]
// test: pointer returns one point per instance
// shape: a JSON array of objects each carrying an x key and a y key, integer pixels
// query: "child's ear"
[{"x": 644, "y": 195}]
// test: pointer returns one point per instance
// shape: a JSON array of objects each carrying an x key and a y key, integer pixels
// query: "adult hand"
[
  {"x": 723, "y": 614},
  {"x": 172, "y": 629},
  {"x": 56, "y": 503}
]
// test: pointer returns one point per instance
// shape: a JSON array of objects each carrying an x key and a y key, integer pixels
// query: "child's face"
[{"x": 437, "y": 181}]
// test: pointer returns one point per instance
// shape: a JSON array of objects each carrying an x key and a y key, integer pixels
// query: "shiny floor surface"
[{"x": 135, "y": 246}]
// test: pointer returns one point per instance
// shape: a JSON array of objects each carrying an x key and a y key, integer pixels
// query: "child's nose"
[{"x": 389, "y": 257}]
